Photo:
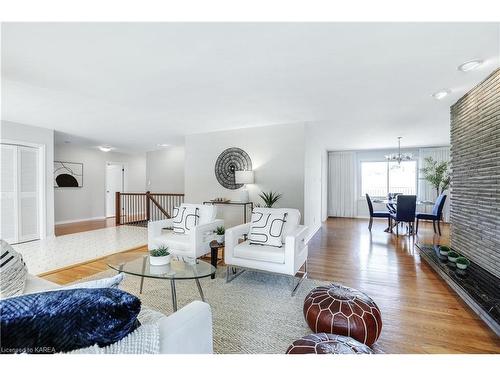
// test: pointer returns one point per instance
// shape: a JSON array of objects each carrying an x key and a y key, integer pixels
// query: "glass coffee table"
[{"x": 176, "y": 270}]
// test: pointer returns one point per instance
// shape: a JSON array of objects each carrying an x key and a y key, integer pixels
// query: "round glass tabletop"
[{"x": 175, "y": 270}]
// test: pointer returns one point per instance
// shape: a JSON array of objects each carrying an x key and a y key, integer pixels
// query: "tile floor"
[{"x": 63, "y": 251}]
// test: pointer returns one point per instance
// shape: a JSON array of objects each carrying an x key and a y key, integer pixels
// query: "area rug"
[{"x": 252, "y": 314}]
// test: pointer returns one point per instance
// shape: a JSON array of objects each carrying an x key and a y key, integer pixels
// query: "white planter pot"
[
  {"x": 159, "y": 261},
  {"x": 452, "y": 259},
  {"x": 219, "y": 238},
  {"x": 462, "y": 266}
]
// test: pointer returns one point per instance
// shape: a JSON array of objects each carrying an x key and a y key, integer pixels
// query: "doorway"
[{"x": 115, "y": 181}]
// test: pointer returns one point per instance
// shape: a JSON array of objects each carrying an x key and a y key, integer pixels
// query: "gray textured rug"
[{"x": 252, "y": 314}]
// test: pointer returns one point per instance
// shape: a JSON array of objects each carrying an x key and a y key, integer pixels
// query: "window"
[{"x": 378, "y": 178}]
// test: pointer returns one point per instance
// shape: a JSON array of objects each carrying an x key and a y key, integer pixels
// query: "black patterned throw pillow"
[
  {"x": 185, "y": 218},
  {"x": 267, "y": 229}
]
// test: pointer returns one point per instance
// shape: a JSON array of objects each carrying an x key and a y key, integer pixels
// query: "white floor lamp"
[{"x": 245, "y": 178}]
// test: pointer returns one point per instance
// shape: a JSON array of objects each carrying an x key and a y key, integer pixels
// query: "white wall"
[
  {"x": 165, "y": 170},
  {"x": 88, "y": 202},
  {"x": 277, "y": 154},
  {"x": 40, "y": 136}
]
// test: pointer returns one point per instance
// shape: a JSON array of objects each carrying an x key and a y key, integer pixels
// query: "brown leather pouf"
[
  {"x": 326, "y": 343},
  {"x": 343, "y": 311}
]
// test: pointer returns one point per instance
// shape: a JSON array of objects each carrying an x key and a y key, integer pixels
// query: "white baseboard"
[{"x": 77, "y": 220}]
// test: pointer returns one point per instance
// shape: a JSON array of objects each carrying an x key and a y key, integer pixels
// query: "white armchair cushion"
[
  {"x": 185, "y": 219},
  {"x": 264, "y": 253},
  {"x": 174, "y": 241},
  {"x": 292, "y": 218}
]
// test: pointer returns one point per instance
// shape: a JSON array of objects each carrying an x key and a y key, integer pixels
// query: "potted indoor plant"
[
  {"x": 436, "y": 173},
  {"x": 159, "y": 256},
  {"x": 444, "y": 250},
  {"x": 270, "y": 198},
  {"x": 219, "y": 234},
  {"x": 462, "y": 263},
  {"x": 453, "y": 256}
]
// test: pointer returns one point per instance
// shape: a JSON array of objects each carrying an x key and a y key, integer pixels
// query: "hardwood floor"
[
  {"x": 420, "y": 313},
  {"x": 78, "y": 272},
  {"x": 83, "y": 226}
]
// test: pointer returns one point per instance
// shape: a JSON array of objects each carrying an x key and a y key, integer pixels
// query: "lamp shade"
[{"x": 243, "y": 177}]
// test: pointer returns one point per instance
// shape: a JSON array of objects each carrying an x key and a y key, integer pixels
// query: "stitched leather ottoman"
[
  {"x": 326, "y": 343},
  {"x": 343, "y": 311}
]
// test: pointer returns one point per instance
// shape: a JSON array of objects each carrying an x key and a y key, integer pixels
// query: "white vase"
[
  {"x": 219, "y": 238},
  {"x": 159, "y": 261}
]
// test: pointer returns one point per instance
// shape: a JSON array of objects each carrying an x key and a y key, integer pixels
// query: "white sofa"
[
  {"x": 187, "y": 331},
  {"x": 285, "y": 260},
  {"x": 192, "y": 245}
]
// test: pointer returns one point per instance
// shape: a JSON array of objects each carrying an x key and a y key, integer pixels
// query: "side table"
[{"x": 214, "y": 254}]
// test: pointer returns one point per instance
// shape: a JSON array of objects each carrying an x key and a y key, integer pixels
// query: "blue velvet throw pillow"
[{"x": 64, "y": 320}]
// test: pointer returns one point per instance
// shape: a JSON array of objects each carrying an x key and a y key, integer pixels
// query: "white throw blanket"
[{"x": 144, "y": 340}]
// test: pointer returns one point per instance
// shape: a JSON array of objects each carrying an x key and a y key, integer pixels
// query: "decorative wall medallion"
[{"x": 231, "y": 160}]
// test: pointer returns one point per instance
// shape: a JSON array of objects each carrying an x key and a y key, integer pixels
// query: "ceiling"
[{"x": 134, "y": 85}]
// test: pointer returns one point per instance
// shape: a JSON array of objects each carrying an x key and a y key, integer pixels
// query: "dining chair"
[
  {"x": 405, "y": 212},
  {"x": 373, "y": 214},
  {"x": 437, "y": 214},
  {"x": 391, "y": 206}
]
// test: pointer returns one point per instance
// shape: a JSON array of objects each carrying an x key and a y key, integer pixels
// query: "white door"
[
  {"x": 9, "y": 225},
  {"x": 19, "y": 194},
  {"x": 114, "y": 183}
]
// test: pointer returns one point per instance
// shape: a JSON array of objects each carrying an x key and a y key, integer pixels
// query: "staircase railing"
[{"x": 139, "y": 208}]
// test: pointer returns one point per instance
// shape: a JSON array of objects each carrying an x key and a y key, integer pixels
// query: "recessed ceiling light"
[
  {"x": 105, "y": 148},
  {"x": 470, "y": 65},
  {"x": 163, "y": 145},
  {"x": 441, "y": 94}
]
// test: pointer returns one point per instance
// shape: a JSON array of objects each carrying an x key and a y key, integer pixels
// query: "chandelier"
[{"x": 399, "y": 157}]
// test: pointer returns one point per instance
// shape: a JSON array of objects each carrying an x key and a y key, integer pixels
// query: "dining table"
[{"x": 394, "y": 203}]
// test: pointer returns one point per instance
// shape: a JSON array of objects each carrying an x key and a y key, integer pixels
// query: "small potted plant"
[
  {"x": 462, "y": 263},
  {"x": 219, "y": 234},
  {"x": 453, "y": 256},
  {"x": 444, "y": 250},
  {"x": 270, "y": 198},
  {"x": 159, "y": 256}
]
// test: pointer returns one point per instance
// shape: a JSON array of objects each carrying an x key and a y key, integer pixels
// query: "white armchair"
[
  {"x": 285, "y": 260},
  {"x": 191, "y": 245}
]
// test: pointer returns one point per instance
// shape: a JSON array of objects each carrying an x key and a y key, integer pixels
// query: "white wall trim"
[{"x": 78, "y": 220}]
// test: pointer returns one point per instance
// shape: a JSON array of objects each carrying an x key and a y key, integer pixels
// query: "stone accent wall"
[{"x": 475, "y": 161}]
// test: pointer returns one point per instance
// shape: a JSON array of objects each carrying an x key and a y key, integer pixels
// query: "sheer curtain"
[
  {"x": 342, "y": 184},
  {"x": 425, "y": 190}
]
